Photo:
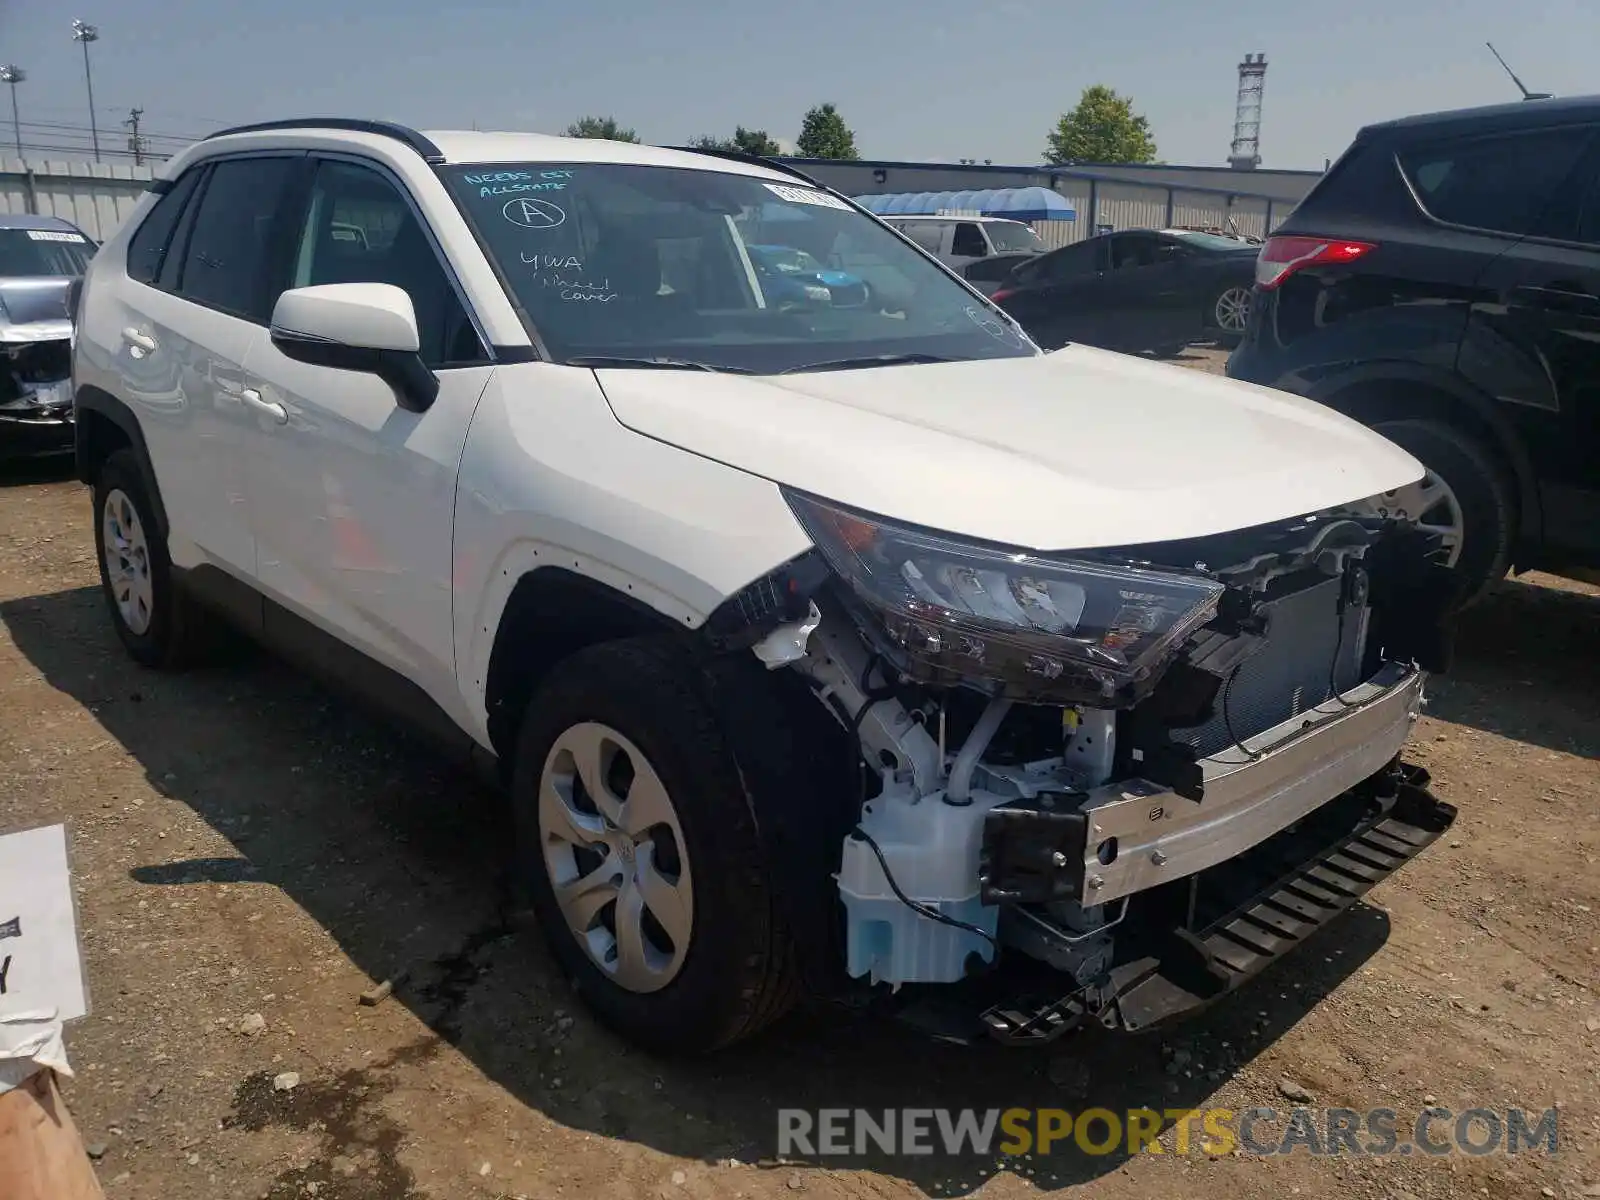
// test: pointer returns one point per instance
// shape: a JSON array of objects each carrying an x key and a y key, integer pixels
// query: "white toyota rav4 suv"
[{"x": 853, "y": 648}]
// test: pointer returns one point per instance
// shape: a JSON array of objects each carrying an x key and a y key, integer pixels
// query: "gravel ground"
[{"x": 251, "y": 856}]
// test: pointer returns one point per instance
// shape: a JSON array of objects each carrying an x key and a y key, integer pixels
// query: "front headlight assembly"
[{"x": 1022, "y": 625}]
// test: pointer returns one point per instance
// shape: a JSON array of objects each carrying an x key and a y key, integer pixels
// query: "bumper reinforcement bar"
[{"x": 1239, "y": 917}]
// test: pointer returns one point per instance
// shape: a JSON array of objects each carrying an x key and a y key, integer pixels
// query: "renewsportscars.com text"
[{"x": 840, "y": 1132}]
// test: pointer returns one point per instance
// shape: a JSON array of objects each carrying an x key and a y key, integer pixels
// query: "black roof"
[
  {"x": 1519, "y": 114},
  {"x": 392, "y": 129}
]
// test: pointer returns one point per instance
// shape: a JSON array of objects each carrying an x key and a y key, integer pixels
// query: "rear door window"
[
  {"x": 229, "y": 262},
  {"x": 1499, "y": 183}
]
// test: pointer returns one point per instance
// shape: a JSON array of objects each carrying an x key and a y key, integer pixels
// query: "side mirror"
[{"x": 369, "y": 327}]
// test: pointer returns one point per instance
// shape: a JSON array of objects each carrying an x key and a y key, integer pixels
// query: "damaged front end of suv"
[
  {"x": 41, "y": 267},
  {"x": 1107, "y": 785}
]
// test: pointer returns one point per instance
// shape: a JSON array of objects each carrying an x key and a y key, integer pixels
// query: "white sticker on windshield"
[
  {"x": 803, "y": 195},
  {"x": 51, "y": 235}
]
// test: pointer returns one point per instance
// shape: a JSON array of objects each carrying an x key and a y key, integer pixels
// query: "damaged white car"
[
  {"x": 859, "y": 650},
  {"x": 41, "y": 260}
]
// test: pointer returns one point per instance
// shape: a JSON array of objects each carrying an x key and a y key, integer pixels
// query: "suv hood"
[
  {"x": 35, "y": 309},
  {"x": 1077, "y": 449}
]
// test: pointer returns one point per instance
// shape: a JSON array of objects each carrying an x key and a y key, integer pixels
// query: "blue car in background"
[{"x": 791, "y": 276}]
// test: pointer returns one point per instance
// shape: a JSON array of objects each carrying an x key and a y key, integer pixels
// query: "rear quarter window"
[
  {"x": 1500, "y": 183},
  {"x": 147, "y": 248}
]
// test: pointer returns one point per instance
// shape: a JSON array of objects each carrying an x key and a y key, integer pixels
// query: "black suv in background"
[{"x": 1442, "y": 284}]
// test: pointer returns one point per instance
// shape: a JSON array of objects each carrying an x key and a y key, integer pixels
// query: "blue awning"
[{"x": 1020, "y": 204}]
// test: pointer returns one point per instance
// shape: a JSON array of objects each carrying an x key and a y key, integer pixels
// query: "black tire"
[
  {"x": 178, "y": 633},
  {"x": 738, "y": 975},
  {"x": 1482, "y": 488}
]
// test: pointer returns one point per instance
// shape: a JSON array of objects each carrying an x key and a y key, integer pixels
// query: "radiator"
[{"x": 1308, "y": 650}]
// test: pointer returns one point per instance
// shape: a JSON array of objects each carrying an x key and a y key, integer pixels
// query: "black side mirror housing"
[{"x": 415, "y": 386}]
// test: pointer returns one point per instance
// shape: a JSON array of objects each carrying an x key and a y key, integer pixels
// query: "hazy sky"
[{"x": 926, "y": 80}]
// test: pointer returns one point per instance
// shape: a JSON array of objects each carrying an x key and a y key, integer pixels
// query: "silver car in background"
[{"x": 41, "y": 261}]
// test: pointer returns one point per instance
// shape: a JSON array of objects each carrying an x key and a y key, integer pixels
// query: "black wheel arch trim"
[
  {"x": 550, "y": 613},
  {"x": 1483, "y": 406},
  {"x": 90, "y": 399}
]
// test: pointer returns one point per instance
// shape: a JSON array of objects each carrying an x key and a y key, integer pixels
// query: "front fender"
[{"x": 550, "y": 478}]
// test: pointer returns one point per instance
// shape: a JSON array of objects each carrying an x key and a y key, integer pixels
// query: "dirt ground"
[{"x": 251, "y": 856}]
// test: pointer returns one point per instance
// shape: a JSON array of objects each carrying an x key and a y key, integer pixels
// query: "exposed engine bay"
[
  {"x": 36, "y": 375},
  {"x": 1128, "y": 811}
]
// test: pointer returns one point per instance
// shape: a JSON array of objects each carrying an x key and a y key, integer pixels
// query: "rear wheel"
[
  {"x": 639, "y": 854},
  {"x": 157, "y": 622},
  {"x": 1465, "y": 498},
  {"x": 1229, "y": 313}
]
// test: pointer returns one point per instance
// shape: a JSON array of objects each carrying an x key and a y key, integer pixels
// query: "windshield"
[
  {"x": 43, "y": 252},
  {"x": 1013, "y": 237},
  {"x": 734, "y": 272},
  {"x": 1212, "y": 241}
]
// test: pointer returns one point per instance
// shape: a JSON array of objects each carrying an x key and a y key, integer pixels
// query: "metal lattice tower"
[{"x": 1246, "y": 154}]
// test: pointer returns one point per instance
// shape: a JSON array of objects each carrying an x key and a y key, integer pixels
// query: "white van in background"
[{"x": 983, "y": 250}]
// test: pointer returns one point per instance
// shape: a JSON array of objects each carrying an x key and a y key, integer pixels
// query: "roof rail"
[
  {"x": 759, "y": 160},
  {"x": 389, "y": 129}
]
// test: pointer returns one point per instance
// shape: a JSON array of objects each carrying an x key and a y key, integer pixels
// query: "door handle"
[
  {"x": 140, "y": 343},
  {"x": 274, "y": 410}
]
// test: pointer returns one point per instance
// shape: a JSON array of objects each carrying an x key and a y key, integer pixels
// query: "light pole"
[
  {"x": 84, "y": 32},
  {"x": 13, "y": 74}
]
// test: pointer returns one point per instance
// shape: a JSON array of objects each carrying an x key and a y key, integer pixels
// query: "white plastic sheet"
[
  {"x": 30, "y": 1042},
  {"x": 41, "y": 970}
]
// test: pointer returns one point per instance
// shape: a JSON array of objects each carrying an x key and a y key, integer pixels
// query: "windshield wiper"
[
  {"x": 659, "y": 363},
  {"x": 871, "y": 360}
]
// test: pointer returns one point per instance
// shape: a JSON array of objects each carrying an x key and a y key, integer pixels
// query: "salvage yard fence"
[
  {"x": 1122, "y": 205},
  {"x": 96, "y": 197},
  {"x": 1108, "y": 204}
]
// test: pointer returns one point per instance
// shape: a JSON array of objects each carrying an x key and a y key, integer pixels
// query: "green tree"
[
  {"x": 601, "y": 127},
  {"x": 745, "y": 141},
  {"x": 756, "y": 141},
  {"x": 1103, "y": 128},
  {"x": 823, "y": 134}
]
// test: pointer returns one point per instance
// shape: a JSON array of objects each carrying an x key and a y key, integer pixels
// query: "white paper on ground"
[
  {"x": 41, "y": 970},
  {"x": 30, "y": 1042}
]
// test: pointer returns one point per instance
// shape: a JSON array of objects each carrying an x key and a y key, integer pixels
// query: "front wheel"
[
  {"x": 1229, "y": 313},
  {"x": 639, "y": 856},
  {"x": 1464, "y": 498}
]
